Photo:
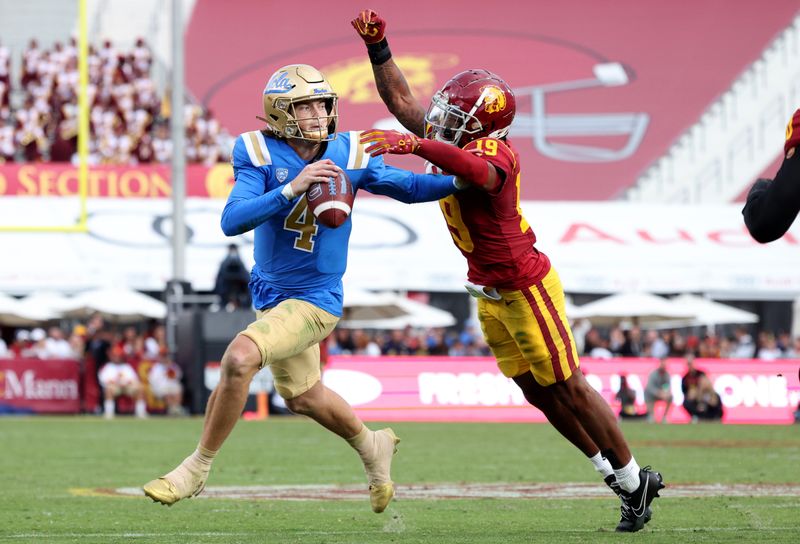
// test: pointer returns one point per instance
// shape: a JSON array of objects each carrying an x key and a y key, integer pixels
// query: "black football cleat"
[
  {"x": 635, "y": 505},
  {"x": 611, "y": 481}
]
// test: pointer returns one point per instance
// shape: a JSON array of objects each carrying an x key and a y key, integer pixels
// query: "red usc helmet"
[{"x": 473, "y": 104}]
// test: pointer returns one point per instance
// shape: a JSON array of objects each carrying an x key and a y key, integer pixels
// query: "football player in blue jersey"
[{"x": 296, "y": 282}]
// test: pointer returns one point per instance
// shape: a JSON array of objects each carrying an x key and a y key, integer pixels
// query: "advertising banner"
[
  {"x": 47, "y": 386},
  {"x": 473, "y": 389}
]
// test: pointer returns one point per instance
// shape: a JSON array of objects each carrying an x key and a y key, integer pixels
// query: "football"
[{"x": 331, "y": 201}]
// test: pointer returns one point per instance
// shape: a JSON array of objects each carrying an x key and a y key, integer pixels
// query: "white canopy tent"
[
  {"x": 365, "y": 310},
  {"x": 16, "y": 314},
  {"x": 642, "y": 307},
  {"x": 707, "y": 313},
  {"x": 121, "y": 305}
]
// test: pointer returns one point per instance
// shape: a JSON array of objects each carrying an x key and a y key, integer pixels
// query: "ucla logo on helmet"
[
  {"x": 279, "y": 83},
  {"x": 495, "y": 99},
  {"x": 281, "y": 174}
]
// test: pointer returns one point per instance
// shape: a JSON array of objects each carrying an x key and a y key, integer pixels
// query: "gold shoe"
[
  {"x": 381, "y": 487},
  {"x": 380, "y": 496},
  {"x": 165, "y": 491}
]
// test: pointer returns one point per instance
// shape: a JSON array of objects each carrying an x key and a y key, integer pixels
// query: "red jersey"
[{"x": 489, "y": 229}]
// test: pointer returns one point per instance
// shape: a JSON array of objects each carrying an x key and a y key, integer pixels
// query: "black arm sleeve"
[{"x": 773, "y": 205}]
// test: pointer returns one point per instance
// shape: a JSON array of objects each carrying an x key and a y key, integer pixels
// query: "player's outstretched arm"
[
  {"x": 467, "y": 166},
  {"x": 389, "y": 80},
  {"x": 772, "y": 206}
]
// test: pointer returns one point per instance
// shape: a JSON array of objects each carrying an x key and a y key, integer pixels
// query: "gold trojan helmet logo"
[
  {"x": 789, "y": 129},
  {"x": 354, "y": 82},
  {"x": 219, "y": 180},
  {"x": 495, "y": 99}
]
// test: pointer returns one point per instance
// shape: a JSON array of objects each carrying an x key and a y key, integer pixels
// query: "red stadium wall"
[
  {"x": 472, "y": 389},
  {"x": 680, "y": 56}
]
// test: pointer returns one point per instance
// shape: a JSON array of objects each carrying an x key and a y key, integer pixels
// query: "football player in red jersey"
[
  {"x": 520, "y": 298},
  {"x": 772, "y": 205}
]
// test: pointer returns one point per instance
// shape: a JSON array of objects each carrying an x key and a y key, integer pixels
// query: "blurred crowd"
[
  {"x": 700, "y": 401},
  {"x": 129, "y": 121},
  {"x": 590, "y": 342},
  {"x": 409, "y": 341},
  {"x": 634, "y": 342},
  {"x": 130, "y": 362}
]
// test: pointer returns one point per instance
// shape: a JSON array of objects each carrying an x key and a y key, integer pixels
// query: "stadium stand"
[{"x": 128, "y": 118}]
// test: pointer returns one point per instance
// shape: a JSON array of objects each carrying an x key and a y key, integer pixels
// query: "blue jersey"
[{"x": 295, "y": 256}]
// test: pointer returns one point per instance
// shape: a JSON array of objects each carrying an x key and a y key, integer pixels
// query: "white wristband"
[{"x": 288, "y": 192}]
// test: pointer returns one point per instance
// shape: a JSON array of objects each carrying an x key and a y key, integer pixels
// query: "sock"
[
  {"x": 628, "y": 476},
  {"x": 202, "y": 457},
  {"x": 108, "y": 407},
  {"x": 362, "y": 442},
  {"x": 141, "y": 408},
  {"x": 601, "y": 465}
]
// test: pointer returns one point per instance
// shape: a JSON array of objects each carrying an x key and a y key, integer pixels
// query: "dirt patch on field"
[
  {"x": 461, "y": 491},
  {"x": 724, "y": 444}
]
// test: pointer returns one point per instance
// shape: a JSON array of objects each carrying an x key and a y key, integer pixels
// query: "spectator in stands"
[
  {"x": 744, "y": 347},
  {"x": 232, "y": 281},
  {"x": 690, "y": 378},
  {"x": 117, "y": 377},
  {"x": 30, "y": 134},
  {"x": 580, "y": 329},
  {"x": 658, "y": 346},
  {"x": 677, "y": 345},
  {"x": 155, "y": 341},
  {"x": 435, "y": 342},
  {"x": 627, "y": 400},
  {"x": 5, "y": 68},
  {"x": 77, "y": 341},
  {"x": 793, "y": 349},
  {"x": 364, "y": 344},
  {"x": 162, "y": 144},
  {"x": 396, "y": 344},
  {"x": 21, "y": 347},
  {"x": 38, "y": 349},
  {"x": 768, "y": 350},
  {"x": 632, "y": 346},
  {"x": 601, "y": 349},
  {"x": 56, "y": 346},
  {"x": 165, "y": 383},
  {"x": 5, "y": 353},
  {"x": 30, "y": 61},
  {"x": 341, "y": 342},
  {"x": 142, "y": 57},
  {"x": 7, "y": 144},
  {"x": 703, "y": 402},
  {"x": 616, "y": 339},
  {"x": 658, "y": 390}
]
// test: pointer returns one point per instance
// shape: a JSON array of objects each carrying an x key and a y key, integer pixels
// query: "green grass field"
[{"x": 42, "y": 459}]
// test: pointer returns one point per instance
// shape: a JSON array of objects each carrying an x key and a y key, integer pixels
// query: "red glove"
[
  {"x": 370, "y": 26},
  {"x": 792, "y": 132},
  {"x": 389, "y": 141}
]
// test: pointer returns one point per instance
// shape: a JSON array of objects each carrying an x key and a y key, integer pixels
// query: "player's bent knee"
[
  {"x": 300, "y": 405},
  {"x": 304, "y": 403},
  {"x": 239, "y": 362}
]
